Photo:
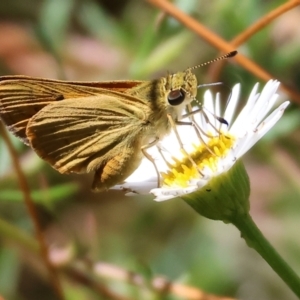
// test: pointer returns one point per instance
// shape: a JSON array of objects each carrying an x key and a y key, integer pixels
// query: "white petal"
[
  {"x": 232, "y": 105},
  {"x": 265, "y": 126},
  {"x": 261, "y": 109},
  {"x": 241, "y": 120},
  {"x": 163, "y": 194},
  {"x": 217, "y": 111},
  {"x": 208, "y": 101}
]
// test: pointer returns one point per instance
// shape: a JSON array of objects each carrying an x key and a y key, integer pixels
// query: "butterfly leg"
[
  {"x": 199, "y": 131},
  {"x": 172, "y": 122},
  {"x": 190, "y": 114},
  {"x": 150, "y": 158}
]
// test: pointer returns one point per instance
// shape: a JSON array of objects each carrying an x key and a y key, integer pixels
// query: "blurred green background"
[{"x": 130, "y": 39}]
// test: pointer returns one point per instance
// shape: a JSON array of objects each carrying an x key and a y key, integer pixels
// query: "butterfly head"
[{"x": 181, "y": 88}]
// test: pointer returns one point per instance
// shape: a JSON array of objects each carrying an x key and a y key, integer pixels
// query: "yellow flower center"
[{"x": 203, "y": 155}]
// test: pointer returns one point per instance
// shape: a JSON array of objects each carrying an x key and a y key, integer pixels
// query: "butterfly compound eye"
[{"x": 176, "y": 97}]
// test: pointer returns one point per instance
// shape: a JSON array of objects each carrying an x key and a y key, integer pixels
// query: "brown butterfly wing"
[
  {"x": 100, "y": 133},
  {"x": 22, "y": 97}
]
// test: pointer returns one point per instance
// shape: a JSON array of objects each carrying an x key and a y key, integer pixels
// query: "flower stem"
[{"x": 255, "y": 239}]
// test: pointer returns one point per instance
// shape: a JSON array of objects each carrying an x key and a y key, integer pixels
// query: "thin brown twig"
[
  {"x": 219, "y": 43},
  {"x": 264, "y": 21},
  {"x": 215, "y": 69},
  {"x": 33, "y": 214}
]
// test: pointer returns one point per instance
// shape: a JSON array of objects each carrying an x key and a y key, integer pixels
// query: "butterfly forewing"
[
  {"x": 87, "y": 134},
  {"x": 22, "y": 97}
]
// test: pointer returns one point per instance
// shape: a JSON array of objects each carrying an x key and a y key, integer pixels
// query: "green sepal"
[{"x": 225, "y": 197}]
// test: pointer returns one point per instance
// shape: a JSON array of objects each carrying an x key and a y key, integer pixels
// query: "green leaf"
[{"x": 53, "y": 194}]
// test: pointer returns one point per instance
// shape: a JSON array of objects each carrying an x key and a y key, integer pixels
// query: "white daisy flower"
[
  {"x": 223, "y": 140},
  {"x": 223, "y": 144}
]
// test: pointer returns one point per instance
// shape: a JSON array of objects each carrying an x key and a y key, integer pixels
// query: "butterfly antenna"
[{"x": 228, "y": 55}]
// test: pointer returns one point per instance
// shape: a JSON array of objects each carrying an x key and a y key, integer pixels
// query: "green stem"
[{"x": 255, "y": 239}]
